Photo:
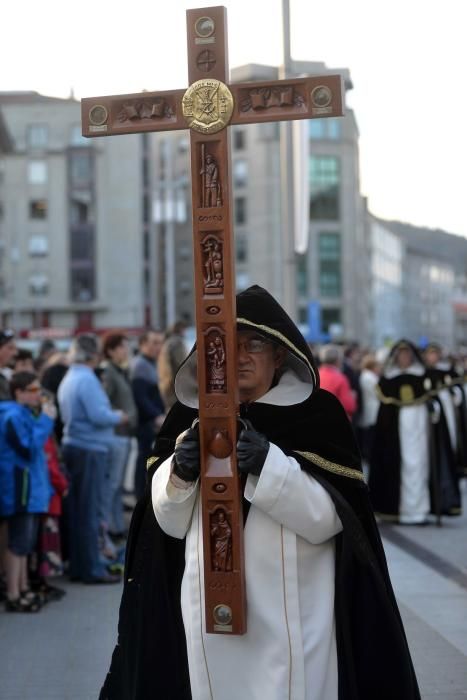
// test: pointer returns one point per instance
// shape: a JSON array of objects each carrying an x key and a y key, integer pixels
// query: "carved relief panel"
[
  {"x": 212, "y": 251},
  {"x": 269, "y": 97},
  {"x": 136, "y": 110},
  {"x": 211, "y": 184},
  {"x": 221, "y": 540},
  {"x": 216, "y": 371}
]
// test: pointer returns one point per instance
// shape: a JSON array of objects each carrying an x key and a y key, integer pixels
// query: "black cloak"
[{"x": 150, "y": 662}]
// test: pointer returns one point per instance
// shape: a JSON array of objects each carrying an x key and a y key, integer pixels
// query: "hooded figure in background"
[
  {"x": 322, "y": 620},
  {"x": 412, "y": 472},
  {"x": 451, "y": 396}
]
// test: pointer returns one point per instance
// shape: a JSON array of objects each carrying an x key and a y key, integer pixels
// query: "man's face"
[
  {"x": 31, "y": 396},
  {"x": 256, "y": 369},
  {"x": 404, "y": 358},
  {"x": 119, "y": 355},
  {"x": 7, "y": 352},
  {"x": 432, "y": 357},
  {"x": 152, "y": 347}
]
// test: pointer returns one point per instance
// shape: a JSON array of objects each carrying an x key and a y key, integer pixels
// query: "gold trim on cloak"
[
  {"x": 151, "y": 461},
  {"x": 405, "y": 399},
  {"x": 331, "y": 466}
]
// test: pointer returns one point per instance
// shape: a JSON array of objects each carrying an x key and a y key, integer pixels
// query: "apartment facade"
[{"x": 72, "y": 220}]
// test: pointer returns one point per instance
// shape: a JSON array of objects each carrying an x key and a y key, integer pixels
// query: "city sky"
[{"x": 407, "y": 60}]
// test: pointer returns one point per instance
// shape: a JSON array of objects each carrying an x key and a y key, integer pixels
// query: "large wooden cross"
[{"x": 208, "y": 106}]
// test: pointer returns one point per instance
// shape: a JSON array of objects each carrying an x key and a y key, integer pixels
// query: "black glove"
[
  {"x": 186, "y": 456},
  {"x": 252, "y": 450}
]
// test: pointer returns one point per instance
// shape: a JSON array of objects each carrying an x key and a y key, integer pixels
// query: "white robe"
[
  {"x": 414, "y": 502},
  {"x": 289, "y": 651}
]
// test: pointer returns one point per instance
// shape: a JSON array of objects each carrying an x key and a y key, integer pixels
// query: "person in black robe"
[
  {"x": 150, "y": 658},
  {"x": 412, "y": 470},
  {"x": 451, "y": 391}
]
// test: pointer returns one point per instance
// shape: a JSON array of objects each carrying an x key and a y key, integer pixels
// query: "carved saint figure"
[
  {"x": 211, "y": 184},
  {"x": 221, "y": 540},
  {"x": 213, "y": 264},
  {"x": 216, "y": 365}
]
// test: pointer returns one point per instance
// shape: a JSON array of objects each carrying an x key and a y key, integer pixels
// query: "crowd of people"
[{"x": 67, "y": 422}]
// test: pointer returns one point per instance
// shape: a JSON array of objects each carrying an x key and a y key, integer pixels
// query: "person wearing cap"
[
  {"x": 89, "y": 423},
  {"x": 7, "y": 353},
  {"x": 322, "y": 621}
]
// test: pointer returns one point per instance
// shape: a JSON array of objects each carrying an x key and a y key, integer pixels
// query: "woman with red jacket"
[{"x": 335, "y": 381}]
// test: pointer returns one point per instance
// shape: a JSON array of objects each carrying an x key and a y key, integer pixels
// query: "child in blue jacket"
[{"x": 25, "y": 488}]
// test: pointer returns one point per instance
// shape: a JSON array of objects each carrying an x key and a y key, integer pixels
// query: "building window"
[
  {"x": 330, "y": 317},
  {"x": 240, "y": 210},
  {"x": 146, "y": 208},
  {"x": 80, "y": 168},
  {"x": 37, "y": 172},
  {"x": 241, "y": 248},
  {"x": 82, "y": 284},
  {"x": 239, "y": 139},
  {"x": 324, "y": 187},
  {"x": 80, "y": 212},
  {"x": 82, "y": 243},
  {"x": 38, "y": 284},
  {"x": 240, "y": 173},
  {"x": 37, "y": 136},
  {"x": 325, "y": 129},
  {"x": 38, "y": 246},
  {"x": 302, "y": 275},
  {"x": 38, "y": 209},
  {"x": 329, "y": 264},
  {"x": 146, "y": 246},
  {"x": 77, "y": 138}
]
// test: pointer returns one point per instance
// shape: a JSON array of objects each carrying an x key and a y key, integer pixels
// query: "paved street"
[{"x": 63, "y": 652}]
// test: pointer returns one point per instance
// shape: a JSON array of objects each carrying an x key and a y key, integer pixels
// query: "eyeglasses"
[
  {"x": 253, "y": 345},
  {"x": 33, "y": 389}
]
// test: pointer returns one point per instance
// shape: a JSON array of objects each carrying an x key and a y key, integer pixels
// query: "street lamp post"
[{"x": 289, "y": 294}]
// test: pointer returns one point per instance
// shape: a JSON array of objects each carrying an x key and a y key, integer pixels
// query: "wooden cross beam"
[{"x": 207, "y": 107}]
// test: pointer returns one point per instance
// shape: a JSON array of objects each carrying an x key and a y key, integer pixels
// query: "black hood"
[
  {"x": 257, "y": 309},
  {"x": 399, "y": 345}
]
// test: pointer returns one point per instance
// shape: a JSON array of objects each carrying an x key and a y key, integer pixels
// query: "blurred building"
[
  {"x": 5, "y": 148},
  {"x": 386, "y": 292},
  {"x": 97, "y": 233},
  {"x": 72, "y": 220},
  {"x": 434, "y": 284}
]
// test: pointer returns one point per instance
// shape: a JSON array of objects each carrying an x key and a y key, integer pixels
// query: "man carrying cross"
[
  {"x": 322, "y": 621},
  {"x": 254, "y": 567}
]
